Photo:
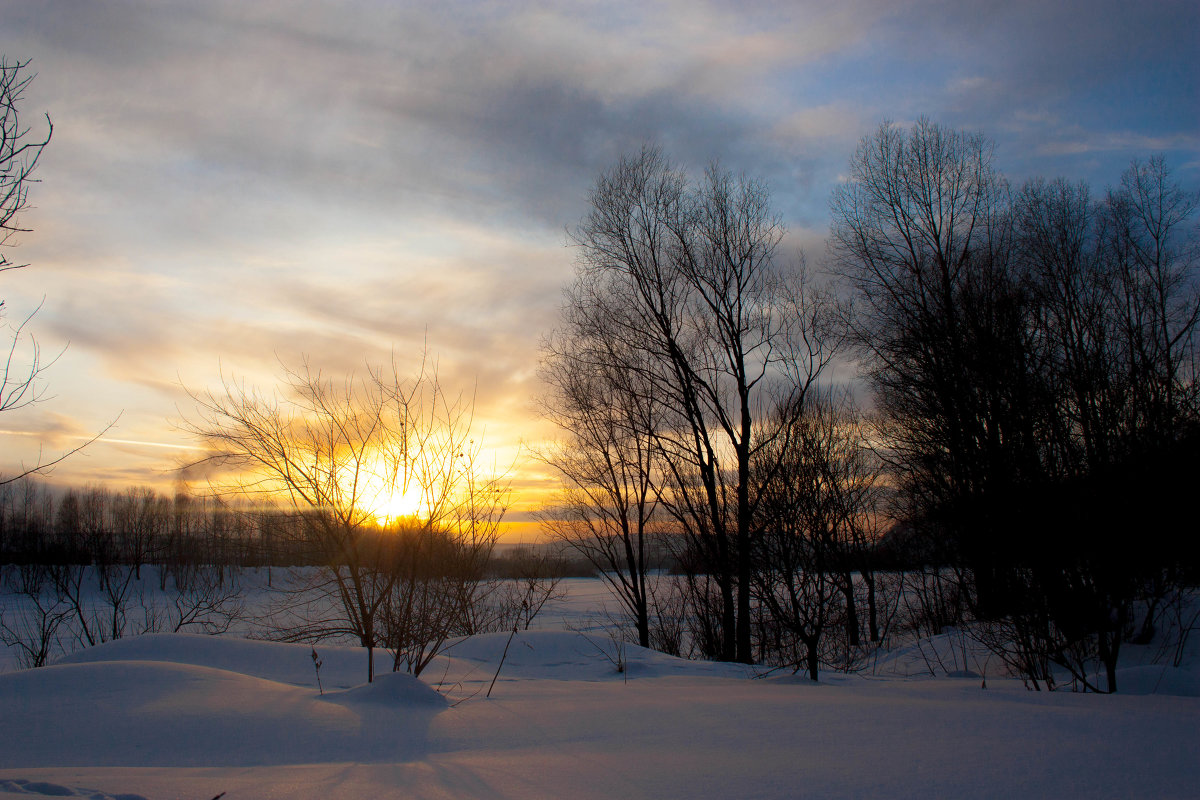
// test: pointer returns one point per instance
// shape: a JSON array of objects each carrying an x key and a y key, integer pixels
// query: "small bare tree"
[
  {"x": 33, "y": 622},
  {"x": 352, "y": 457},
  {"x": 526, "y": 581}
]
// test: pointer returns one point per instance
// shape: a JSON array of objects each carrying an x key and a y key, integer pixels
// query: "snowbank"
[{"x": 572, "y": 715}]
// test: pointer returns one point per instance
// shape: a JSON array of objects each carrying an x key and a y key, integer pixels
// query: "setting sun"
[{"x": 399, "y": 505}]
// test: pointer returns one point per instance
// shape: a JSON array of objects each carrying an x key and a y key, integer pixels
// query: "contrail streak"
[{"x": 106, "y": 440}]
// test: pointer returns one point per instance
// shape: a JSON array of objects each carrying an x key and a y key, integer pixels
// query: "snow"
[
  {"x": 46, "y": 789},
  {"x": 188, "y": 716}
]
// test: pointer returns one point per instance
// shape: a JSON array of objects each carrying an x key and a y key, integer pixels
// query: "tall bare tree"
[
  {"x": 682, "y": 282},
  {"x": 923, "y": 233}
]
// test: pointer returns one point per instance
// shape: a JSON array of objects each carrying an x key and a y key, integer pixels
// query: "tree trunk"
[
  {"x": 851, "y": 610},
  {"x": 643, "y": 623},
  {"x": 872, "y": 609},
  {"x": 744, "y": 654},
  {"x": 728, "y": 620}
]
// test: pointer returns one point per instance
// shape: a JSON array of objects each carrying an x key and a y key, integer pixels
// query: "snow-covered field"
[{"x": 189, "y": 716}]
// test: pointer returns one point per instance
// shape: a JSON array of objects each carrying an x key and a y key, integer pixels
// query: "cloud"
[
  {"x": 1073, "y": 140},
  {"x": 504, "y": 116}
]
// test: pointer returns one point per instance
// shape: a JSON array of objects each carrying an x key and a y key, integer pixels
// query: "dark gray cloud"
[{"x": 1078, "y": 86}]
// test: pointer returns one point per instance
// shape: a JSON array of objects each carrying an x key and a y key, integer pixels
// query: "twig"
[
  {"x": 502, "y": 657},
  {"x": 317, "y": 666}
]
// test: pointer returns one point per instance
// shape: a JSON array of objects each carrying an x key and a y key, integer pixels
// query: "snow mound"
[
  {"x": 951, "y": 654},
  {"x": 341, "y": 667},
  {"x": 26, "y": 788},
  {"x": 128, "y": 713},
  {"x": 164, "y": 713},
  {"x": 390, "y": 689}
]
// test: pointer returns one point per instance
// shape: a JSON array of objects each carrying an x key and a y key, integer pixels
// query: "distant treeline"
[{"x": 137, "y": 526}]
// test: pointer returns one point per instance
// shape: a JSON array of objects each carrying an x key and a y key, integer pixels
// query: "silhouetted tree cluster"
[
  {"x": 1033, "y": 355},
  {"x": 1032, "y": 359}
]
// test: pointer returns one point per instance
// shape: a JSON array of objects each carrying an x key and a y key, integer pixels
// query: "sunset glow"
[{"x": 399, "y": 177}]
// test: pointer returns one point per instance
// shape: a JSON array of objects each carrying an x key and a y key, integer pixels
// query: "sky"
[{"x": 231, "y": 186}]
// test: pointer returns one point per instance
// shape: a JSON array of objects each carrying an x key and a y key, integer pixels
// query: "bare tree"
[
  {"x": 23, "y": 364},
  {"x": 535, "y": 583},
  {"x": 346, "y": 455},
  {"x": 682, "y": 282},
  {"x": 437, "y": 593},
  {"x": 923, "y": 233},
  {"x": 32, "y": 624}
]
